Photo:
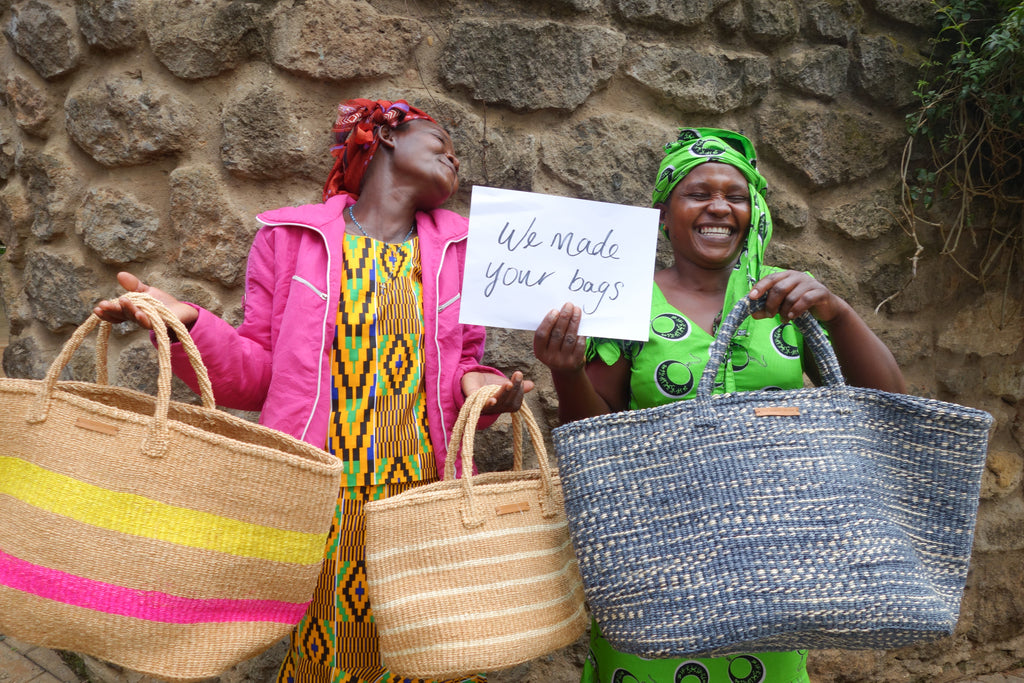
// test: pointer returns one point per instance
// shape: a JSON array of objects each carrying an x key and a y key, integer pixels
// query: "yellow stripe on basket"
[{"x": 136, "y": 515}]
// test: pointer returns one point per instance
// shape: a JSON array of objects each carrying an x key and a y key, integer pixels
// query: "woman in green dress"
[{"x": 713, "y": 212}]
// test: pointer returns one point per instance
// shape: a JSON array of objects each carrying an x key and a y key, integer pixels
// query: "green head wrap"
[{"x": 697, "y": 146}]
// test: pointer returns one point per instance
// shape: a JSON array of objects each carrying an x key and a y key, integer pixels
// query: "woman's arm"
[
  {"x": 584, "y": 389},
  {"x": 238, "y": 361},
  {"x": 865, "y": 360}
]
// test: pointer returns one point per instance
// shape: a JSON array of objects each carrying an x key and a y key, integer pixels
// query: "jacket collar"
[{"x": 328, "y": 218}]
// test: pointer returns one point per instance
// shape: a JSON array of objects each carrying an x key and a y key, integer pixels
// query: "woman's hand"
[
  {"x": 792, "y": 293},
  {"x": 121, "y": 310},
  {"x": 864, "y": 358},
  {"x": 507, "y": 400},
  {"x": 557, "y": 344}
]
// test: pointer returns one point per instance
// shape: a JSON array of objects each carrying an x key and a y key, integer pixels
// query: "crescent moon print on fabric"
[
  {"x": 623, "y": 676},
  {"x": 739, "y": 357},
  {"x": 670, "y": 326},
  {"x": 785, "y": 349},
  {"x": 701, "y": 148},
  {"x": 756, "y": 674},
  {"x": 667, "y": 385},
  {"x": 692, "y": 672}
]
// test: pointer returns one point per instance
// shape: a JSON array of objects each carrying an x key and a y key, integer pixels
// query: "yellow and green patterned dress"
[{"x": 378, "y": 428}]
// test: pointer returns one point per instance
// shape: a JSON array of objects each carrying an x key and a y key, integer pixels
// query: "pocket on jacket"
[
  {"x": 449, "y": 302},
  {"x": 310, "y": 286}
]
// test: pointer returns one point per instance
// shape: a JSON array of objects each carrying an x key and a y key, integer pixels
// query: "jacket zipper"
[
  {"x": 448, "y": 303},
  {"x": 304, "y": 281},
  {"x": 437, "y": 327},
  {"x": 324, "y": 296}
]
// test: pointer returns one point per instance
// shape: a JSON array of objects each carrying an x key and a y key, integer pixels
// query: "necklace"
[{"x": 353, "y": 217}]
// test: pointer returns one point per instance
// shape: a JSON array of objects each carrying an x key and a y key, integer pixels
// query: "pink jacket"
[{"x": 278, "y": 361}]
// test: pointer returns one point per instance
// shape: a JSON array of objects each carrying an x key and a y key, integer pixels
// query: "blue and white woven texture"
[{"x": 702, "y": 529}]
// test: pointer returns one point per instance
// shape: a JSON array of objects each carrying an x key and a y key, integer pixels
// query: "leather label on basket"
[
  {"x": 511, "y": 508},
  {"x": 773, "y": 411},
  {"x": 94, "y": 426}
]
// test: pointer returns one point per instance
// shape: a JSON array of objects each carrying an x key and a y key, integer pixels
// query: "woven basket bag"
[
  {"x": 830, "y": 517},
  {"x": 474, "y": 574},
  {"x": 167, "y": 538}
]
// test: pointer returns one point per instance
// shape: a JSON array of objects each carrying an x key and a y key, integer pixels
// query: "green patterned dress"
[{"x": 667, "y": 368}]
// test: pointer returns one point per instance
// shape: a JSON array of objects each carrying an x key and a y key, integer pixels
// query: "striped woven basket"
[
  {"x": 474, "y": 574},
  {"x": 834, "y": 517},
  {"x": 171, "y": 539}
]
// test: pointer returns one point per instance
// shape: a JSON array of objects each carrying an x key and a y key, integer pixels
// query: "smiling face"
[
  {"x": 707, "y": 215},
  {"x": 422, "y": 154}
]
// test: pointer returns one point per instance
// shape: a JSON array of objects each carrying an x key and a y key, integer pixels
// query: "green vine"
[{"x": 964, "y": 158}]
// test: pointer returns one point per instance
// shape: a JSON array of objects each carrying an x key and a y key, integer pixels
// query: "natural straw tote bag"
[
  {"x": 474, "y": 574},
  {"x": 831, "y": 517},
  {"x": 167, "y": 538}
]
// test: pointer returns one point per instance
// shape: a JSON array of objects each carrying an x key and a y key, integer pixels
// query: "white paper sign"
[{"x": 529, "y": 253}]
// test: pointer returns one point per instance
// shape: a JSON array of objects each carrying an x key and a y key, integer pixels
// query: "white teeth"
[{"x": 714, "y": 230}]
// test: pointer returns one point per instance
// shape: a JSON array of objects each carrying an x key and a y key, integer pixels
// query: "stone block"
[
  {"x": 213, "y": 238},
  {"x": 836, "y": 21},
  {"x": 588, "y": 157},
  {"x": 16, "y": 668},
  {"x": 867, "y": 217},
  {"x": 920, "y": 13},
  {"x": 830, "y": 146},
  {"x": 772, "y": 22},
  {"x": 60, "y": 289},
  {"x": 117, "y": 227},
  {"x": 340, "y": 40},
  {"x": 112, "y": 25},
  {"x": 54, "y": 191},
  {"x": 31, "y": 103},
  {"x": 887, "y": 69},
  {"x": 820, "y": 72},
  {"x": 126, "y": 121},
  {"x": 983, "y": 329},
  {"x": 261, "y": 135},
  {"x": 203, "y": 39},
  {"x": 672, "y": 13},
  {"x": 558, "y": 66},
  {"x": 707, "y": 81},
  {"x": 43, "y": 35}
]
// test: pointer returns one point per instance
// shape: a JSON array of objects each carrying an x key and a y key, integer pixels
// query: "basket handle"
[
  {"x": 464, "y": 431},
  {"x": 821, "y": 350},
  {"x": 460, "y": 428},
  {"x": 161, "y": 317}
]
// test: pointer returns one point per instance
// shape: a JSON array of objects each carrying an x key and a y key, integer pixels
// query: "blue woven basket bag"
[{"x": 830, "y": 517}]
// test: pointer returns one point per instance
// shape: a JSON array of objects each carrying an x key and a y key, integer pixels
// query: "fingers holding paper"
[{"x": 557, "y": 342}]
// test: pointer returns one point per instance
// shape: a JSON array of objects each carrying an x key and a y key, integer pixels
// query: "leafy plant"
[{"x": 970, "y": 120}]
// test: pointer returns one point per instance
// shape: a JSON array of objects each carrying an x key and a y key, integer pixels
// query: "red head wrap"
[{"x": 356, "y": 139}]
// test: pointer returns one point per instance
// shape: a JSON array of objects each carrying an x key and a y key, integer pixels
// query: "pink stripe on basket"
[{"x": 147, "y": 605}]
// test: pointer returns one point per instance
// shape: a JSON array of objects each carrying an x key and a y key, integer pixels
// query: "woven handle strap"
[
  {"x": 814, "y": 338},
  {"x": 480, "y": 396},
  {"x": 161, "y": 317},
  {"x": 472, "y": 514}
]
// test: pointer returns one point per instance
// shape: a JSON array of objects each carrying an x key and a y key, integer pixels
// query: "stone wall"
[{"x": 144, "y": 136}]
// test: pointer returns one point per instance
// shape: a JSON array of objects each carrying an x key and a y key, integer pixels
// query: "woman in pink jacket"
[{"x": 352, "y": 342}]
